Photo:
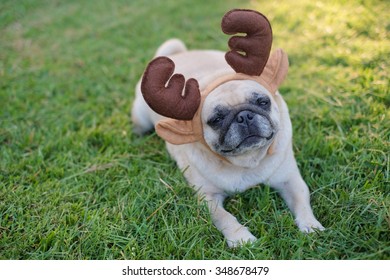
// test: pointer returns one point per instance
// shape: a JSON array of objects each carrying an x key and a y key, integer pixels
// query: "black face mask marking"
[{"x": 244, "y": 125}]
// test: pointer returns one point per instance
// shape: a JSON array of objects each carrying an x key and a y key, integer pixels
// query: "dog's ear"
[
  {"x": 275, "y": 70},
  {"x": 176, "y": 132}
]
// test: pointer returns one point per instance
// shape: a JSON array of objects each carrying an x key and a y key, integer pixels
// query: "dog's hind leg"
[
  {"x": 142, "y": 117},
  {"x": 141, "y": 113}
]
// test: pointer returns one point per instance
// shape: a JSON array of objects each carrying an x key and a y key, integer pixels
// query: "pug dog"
[{"x": 238, "y": 134}]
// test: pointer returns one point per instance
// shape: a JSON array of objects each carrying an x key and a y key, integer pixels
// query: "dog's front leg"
[
  {"x": 235, "y": 233},
  {"x": 296, "y": 194}
]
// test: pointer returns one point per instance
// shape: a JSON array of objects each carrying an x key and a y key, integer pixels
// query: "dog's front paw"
[
  {"x": 309, "y": 225},
  {"x": 239, "y": 237}
]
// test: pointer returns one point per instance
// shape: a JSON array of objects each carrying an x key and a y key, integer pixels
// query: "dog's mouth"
[{"x": 249, "y": 141}]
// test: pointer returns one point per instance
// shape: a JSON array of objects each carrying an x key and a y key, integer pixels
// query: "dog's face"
[{"x": 240, "y": 121}]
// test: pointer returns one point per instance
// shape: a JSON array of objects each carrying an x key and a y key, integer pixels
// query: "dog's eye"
[
  {"x": 218, "y": 117},
  {"x": 216, "y": 121},
  {"x": 263, "y": 102}
]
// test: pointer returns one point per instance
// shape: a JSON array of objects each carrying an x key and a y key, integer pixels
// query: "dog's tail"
[{"x": 171, "y": 47}]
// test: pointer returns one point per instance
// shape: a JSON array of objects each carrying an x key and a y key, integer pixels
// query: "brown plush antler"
[
  {"x": 256, "y": 44},
  {"x": 168, "y": 100}
]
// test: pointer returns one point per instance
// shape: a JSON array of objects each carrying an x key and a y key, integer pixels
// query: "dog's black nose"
[{"x": 245, "y": 117}]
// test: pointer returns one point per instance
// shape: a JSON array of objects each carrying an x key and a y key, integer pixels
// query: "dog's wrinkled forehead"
[{"x": 232, "y": 94}]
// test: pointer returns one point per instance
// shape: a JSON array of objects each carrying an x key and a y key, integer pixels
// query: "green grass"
[{"x": 75, "y": 183}]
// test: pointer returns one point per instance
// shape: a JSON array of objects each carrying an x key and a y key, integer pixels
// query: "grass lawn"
[{"x": 75, "y": 183}]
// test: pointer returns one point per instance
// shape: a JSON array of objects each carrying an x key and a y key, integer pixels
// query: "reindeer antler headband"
[{"x": 162, "y": 90}]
